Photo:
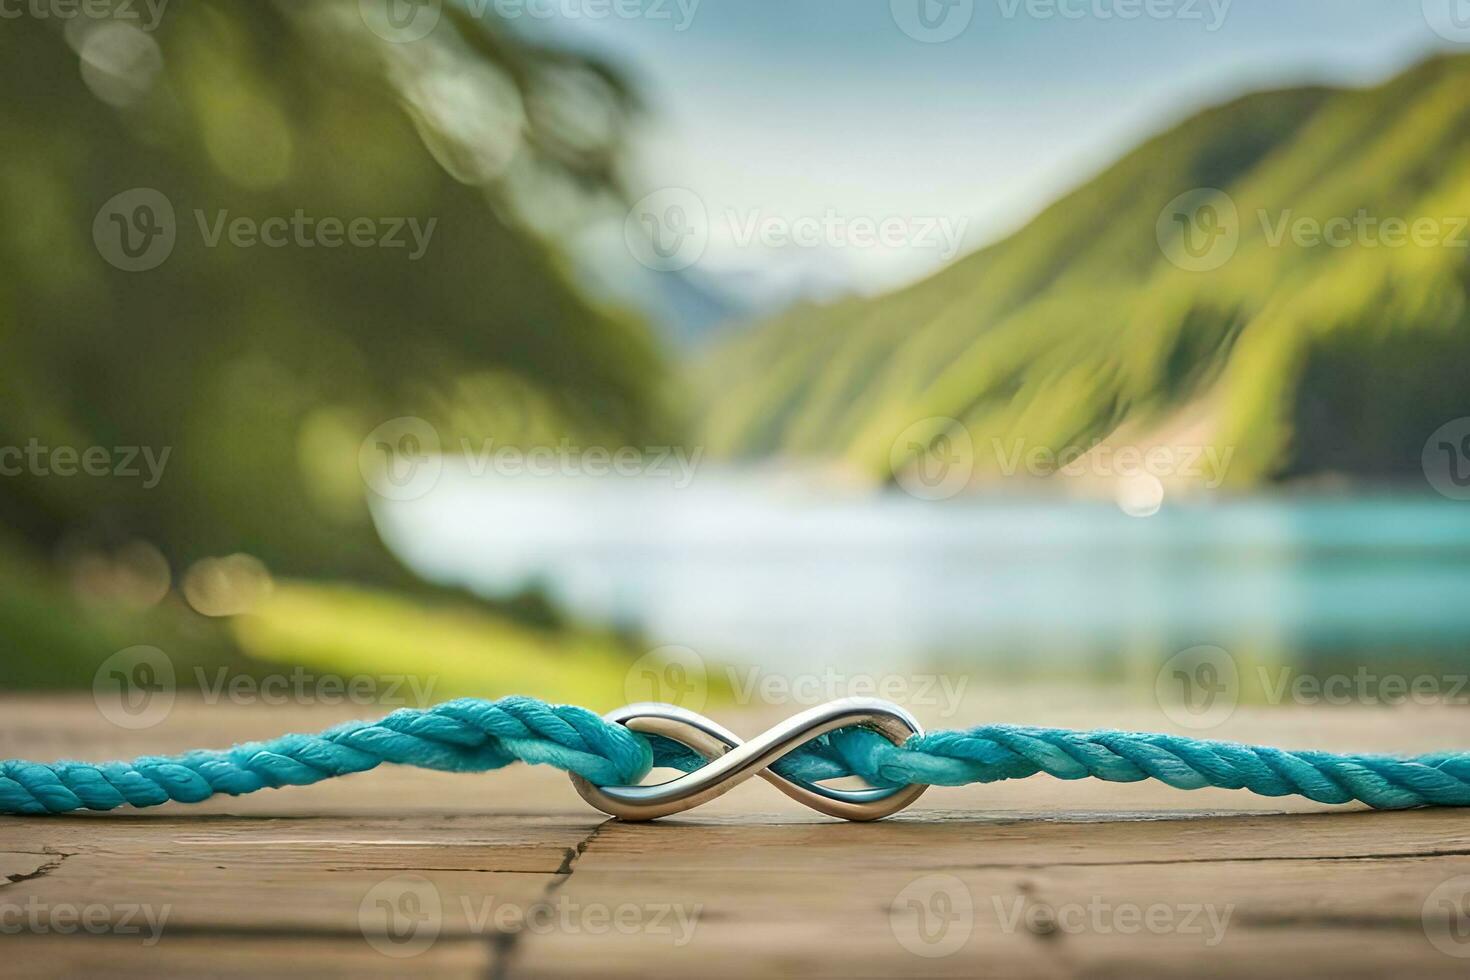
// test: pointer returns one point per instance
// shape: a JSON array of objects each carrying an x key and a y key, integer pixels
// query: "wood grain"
[{"x": 509, "y": 875}]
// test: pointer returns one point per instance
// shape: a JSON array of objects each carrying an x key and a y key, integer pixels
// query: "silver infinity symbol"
[{"x": 732, "y": 761}]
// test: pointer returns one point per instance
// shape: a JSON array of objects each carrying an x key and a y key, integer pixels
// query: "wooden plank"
[
  {"x": 509, "y": 874},
  {"x": 1349, "y": 889},
  {"x": 452, "y": 842},
  {"x": 247, "y": 955}
]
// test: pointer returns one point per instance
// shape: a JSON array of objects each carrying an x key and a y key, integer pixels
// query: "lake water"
[{"x": 770, "y": 569}]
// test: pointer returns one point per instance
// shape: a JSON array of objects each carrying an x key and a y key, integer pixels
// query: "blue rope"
[{"x": 471, "y": 735}]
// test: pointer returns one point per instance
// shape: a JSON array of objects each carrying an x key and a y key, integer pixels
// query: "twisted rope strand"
[
  {"x": 471, "y": 735},
  {"x": 467, "y": 735}
]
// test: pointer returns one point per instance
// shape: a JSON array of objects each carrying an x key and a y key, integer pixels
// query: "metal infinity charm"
[{"x": 732, "y": 762}]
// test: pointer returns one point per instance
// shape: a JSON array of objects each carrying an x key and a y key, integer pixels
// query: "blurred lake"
[{"x": 784, "y": 570}]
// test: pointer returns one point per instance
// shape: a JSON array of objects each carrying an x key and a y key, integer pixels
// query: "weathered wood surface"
[{"x": 1059, "y": 878}]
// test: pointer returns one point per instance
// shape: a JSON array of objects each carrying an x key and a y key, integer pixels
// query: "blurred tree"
[{"x": 260, "y": 370}]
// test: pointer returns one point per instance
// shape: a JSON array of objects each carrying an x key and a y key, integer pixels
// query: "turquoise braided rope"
[
  {"x": 471, "y": 735},
  {"x": 467, "y": 735}
]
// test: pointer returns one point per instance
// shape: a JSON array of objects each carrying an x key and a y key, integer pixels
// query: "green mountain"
[{"x": 1101, "y": 320}]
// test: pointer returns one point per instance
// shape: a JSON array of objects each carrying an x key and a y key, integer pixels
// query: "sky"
[{"x": 802, "y": 127}]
